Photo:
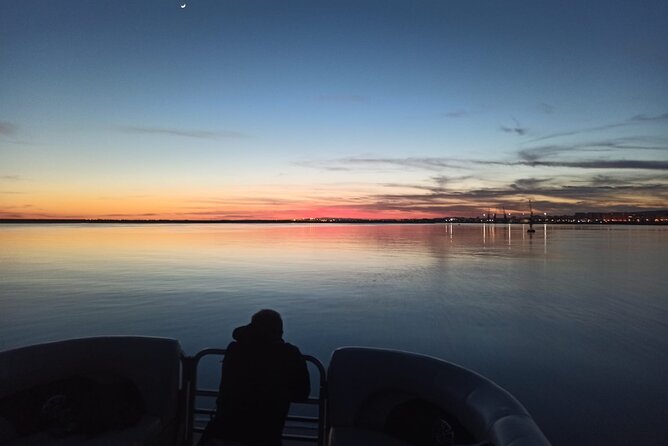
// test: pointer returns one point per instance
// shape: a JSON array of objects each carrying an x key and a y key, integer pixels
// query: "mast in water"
[{"x": 531, "y": 229}]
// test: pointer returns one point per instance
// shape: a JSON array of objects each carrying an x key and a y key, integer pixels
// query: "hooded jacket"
[{"x": 261, "y": 375}]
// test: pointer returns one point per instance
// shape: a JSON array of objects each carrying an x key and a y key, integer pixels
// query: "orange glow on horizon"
[
  {"x": 145, "y": 209},
  {"x": 65, "y": 204},
  {"x": 265, "y": 203}
]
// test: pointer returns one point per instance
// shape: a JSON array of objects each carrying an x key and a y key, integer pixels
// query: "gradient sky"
[{"x": 291, "y": 109}]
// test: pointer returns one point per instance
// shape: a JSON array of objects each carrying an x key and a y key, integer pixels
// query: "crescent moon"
[{"x": 183, "y": 6}]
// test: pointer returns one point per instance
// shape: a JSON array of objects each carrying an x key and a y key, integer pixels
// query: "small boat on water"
[{"x": 129, "y": 390}]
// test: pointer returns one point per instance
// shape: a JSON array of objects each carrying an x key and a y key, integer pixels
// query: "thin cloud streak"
[
  {"x": 579, "y": 131},
  {"x": 642, "y": 118},
  {"x": 200, "y": 134},
  {"x": 528, "y": 183},
  {"x": 518, "y": 129},
  {"x": 353, "y": 163},
  {"x": 621, "y": 144},
  {"x": 456, "y": 114},
  {"x": 602, "y": 164},
  {"x": 585, "y": 164},
  {"x": 246, "y": 201},
  {"x": 438, "y": 164},
  {"x": 609, "y": 180}
]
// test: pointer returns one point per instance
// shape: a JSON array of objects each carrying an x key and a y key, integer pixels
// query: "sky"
[{"x": 238, "y": 109}]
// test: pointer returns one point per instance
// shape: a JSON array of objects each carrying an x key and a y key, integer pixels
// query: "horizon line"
[{"x": 459, "y": 219}]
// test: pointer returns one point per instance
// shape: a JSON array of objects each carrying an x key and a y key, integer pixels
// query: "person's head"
[
  {"x": 268, "y": 322},
  {"x": 266, "y": 325}
]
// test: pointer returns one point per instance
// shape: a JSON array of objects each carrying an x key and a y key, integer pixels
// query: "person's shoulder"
[{"x": 291, "y": 348}]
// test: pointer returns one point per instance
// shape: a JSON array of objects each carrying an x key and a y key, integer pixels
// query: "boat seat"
[
  {"x": 364, "y": 384},
  {"x": 353, "y": 436},
  {"x": 143, "y": 433},
  {"x": 152, "y": 366}
]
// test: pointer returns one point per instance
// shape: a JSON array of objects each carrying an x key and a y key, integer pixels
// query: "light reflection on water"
[{"x": 572, "y": 319}]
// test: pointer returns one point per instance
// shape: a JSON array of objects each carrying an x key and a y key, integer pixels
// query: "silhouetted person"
[{"x": 261, "y": 375}]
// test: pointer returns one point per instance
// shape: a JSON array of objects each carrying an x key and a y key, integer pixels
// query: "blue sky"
[{"x": 271, "y": 109}]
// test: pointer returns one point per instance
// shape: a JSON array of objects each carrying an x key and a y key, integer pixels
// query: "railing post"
[{"x": 322, "y": 397}]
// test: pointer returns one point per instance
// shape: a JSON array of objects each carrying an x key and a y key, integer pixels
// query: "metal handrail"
[{"x": 190, "y": 365}]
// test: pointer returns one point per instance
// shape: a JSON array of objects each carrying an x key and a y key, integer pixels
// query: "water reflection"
[
  {"x": 549, "y": 324},
  {"x": 100, "y": 243}
]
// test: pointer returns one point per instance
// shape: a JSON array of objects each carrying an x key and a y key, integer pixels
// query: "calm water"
[{"x": 573, "y": 321}]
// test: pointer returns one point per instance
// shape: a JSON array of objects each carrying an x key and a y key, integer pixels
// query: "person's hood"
[{"x": 252, "y": 333}]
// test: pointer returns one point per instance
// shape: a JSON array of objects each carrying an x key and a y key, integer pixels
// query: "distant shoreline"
[{"x": 448, "y": 220}]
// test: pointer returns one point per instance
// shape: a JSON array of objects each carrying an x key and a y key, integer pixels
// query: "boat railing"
[{"x": 192, "y": 393}]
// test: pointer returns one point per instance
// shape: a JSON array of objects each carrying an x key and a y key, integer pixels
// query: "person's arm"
[
  {"x": 300, "y": 381},
  {"x": 229, "y": 370}
]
